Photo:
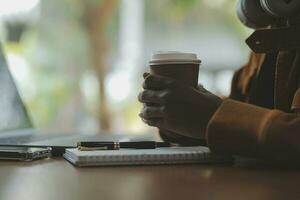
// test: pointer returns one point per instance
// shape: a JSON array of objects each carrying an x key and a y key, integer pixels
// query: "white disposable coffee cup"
[{"x": 180, "y": 66}]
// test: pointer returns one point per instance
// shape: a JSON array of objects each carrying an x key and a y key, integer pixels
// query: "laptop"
[{"x": 16, "y": 128}]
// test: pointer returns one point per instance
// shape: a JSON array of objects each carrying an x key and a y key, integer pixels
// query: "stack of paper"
[{"x": 165, "y": 155}]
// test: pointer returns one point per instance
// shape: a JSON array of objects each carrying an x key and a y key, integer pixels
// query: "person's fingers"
[
  {"x": 146, "y": 74},
  {"x": 156, "y": 82},
  {"x": 150, "y": 96},
  {"x": 202, "y": 89},
  {"x": 172, "y": 137},
  {"x": 156, "y": 122},
  {"x": 150, "y": 112},
  {"x": 169, "y": 136}
]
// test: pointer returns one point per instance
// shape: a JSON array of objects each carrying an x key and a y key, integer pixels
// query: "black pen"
[{"x": 91, "y": 146}]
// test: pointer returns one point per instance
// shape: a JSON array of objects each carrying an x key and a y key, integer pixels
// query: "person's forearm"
[{"x": 243, "y": 129}]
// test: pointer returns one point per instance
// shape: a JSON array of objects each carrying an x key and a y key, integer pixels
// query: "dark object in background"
[
  {"x": 15, "y": 31},
  {"x": 263, "y": 13},
  {"x": 276, "y": 22}
]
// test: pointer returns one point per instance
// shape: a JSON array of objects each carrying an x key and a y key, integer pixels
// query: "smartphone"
[{"x": 24, "y": 153}]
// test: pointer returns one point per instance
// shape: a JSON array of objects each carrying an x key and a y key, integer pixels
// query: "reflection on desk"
[{"x": 57, "y": 179}]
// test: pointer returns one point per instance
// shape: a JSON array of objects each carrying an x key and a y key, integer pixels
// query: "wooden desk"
[{"x": 56, "y": 179}]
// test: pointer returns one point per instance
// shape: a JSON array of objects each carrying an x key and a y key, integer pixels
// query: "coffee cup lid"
[{"x": 174, "y": 57}]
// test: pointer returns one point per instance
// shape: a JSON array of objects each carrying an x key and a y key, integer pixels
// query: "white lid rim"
[{"x": 157, "y": 62}]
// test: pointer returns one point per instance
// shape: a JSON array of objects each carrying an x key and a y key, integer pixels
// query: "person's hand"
[{"x": 170, "y": 105}]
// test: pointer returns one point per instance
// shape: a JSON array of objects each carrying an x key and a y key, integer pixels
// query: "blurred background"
[{"x": 78, "y": 64}]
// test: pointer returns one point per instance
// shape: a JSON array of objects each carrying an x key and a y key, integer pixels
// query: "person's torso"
[{"x": 271, "y": 81}]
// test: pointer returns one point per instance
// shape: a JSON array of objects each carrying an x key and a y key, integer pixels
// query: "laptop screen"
[{"x": 13, "y": 114}]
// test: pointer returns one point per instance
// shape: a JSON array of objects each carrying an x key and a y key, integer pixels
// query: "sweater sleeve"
[{"x": 242, "y": 129}]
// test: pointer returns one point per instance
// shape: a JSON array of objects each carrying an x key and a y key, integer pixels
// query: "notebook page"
[
  {"x": 164, "y": 155},
  {"x": 85, "y": 155}
]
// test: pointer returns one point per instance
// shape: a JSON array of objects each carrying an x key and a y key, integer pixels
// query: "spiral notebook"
[{"x": 164, "y": 155}]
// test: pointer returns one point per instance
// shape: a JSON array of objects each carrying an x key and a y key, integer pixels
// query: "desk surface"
[{"x": 56, "y": 179}]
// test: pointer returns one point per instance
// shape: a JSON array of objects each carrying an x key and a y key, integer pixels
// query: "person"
[{"x": 260, "y": 118}]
